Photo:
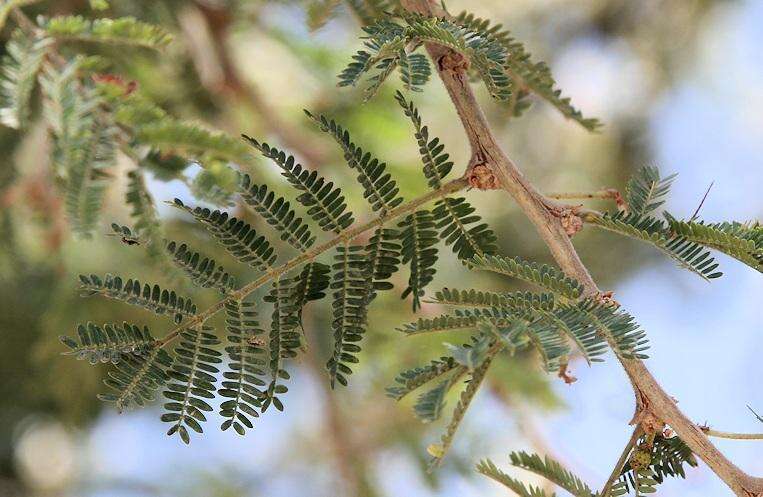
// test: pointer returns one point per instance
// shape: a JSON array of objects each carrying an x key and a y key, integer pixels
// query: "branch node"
[
  {"x": 569, "y": 216},
  {"x": 454, "y": 62},
  {"x": 482, "y": 177}
]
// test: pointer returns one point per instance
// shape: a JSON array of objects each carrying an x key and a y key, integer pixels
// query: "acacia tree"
[{"x": 93, "y": 114}]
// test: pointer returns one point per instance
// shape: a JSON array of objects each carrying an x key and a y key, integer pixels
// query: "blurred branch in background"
[{"x": 207, "y": 29}]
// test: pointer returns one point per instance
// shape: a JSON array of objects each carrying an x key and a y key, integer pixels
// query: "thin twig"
[
  {"x": 617, "y": 470},
  {"x": 730, "y": 435}
]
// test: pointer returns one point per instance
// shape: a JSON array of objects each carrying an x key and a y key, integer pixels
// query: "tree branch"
[{"x": 652, "y": 402}]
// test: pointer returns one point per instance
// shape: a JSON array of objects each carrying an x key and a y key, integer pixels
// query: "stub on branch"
[
  {"x": 454, "y": 62},
  {"x": 569, "y": 217},
  {"x": 480, "y": 176}
]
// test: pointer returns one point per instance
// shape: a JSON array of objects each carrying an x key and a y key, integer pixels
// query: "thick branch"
[{"x": 652, "y": 400}]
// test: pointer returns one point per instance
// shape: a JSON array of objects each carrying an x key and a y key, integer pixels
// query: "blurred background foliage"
[{"x": 247, "y": 66}]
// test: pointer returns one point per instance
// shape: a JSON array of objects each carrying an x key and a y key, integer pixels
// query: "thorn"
[{"x": 694, "y": 216}]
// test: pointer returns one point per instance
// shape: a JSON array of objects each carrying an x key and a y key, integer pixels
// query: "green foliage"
[
  {"x": 193, "y": 381},
  {"x": 135, "y": 379},
  {"x": 380, "y": 189},
  {"x": 145, "y": 218},
  {"x": 350, "y": 285},
  {"x": 687, "y": 254},
  {"x": 494, "y": 56},
  {"x": 243, "y": 381},
  {"x": 202, "y": 271},
  {"x": 525, "y": 74},
  {"x": 152, "y": 298},
  {"x": 84, "y": 145},
  {"x": 683, "y": 241},
  {"x": 742, "y": 241},
  {"x": 430, "y": 404},
  {"x": 445, "y": 322},
  {"x": 277, "y": 212},
  {"x": 650, "y": 462},
  {"x": 121, "y": 31},
  {"x": 647, "y": 191},
  {"x": 109, "y": 343},
  {"x": 192, "y": 139},
  {"x": 414, "y": 70},
  {"x": 326, "y": 204},
  {"x": 281, "y": 344},
  {"x": 383, "y": 255},
  {"x": 436, "y": 161},
  {"x": 239, "y": 238},
  {"x": 489, "y": 469},
  {"x": 20, "y": 66},
  {"x": 451, "y": 215},
  {"x": 418, "y": 239},
  {"x": 474, "y": 381},
  {"x": 542, "y": 275},
  {"x": 552, "y": 471},
  {"x": 411, "y": 379},
  {"x": 206, "y": 186}
]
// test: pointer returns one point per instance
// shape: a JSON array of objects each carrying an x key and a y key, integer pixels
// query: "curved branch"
[{"x": 652, "y": 401}]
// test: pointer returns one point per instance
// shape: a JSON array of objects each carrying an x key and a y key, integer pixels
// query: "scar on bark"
[{"x": 453, "y": 62}]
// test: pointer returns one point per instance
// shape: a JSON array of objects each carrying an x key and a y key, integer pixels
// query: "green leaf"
[
  {"x": 383, "y": 256},
  {"x": 202, "y": 271},
  {"x": 349, "y": 320},
  {"x": 242, "y": 383},
  {"x": 326, "y": 204},
  {"x": 84, "y": 145},
  {"x": 689, "y": 255},
  {"x": 473, "y": 355},
  {"x": 414, "y": 70},
  {"x": 21, "y": 64},
  {"x": 523, "y": 72},
  {"x": 381, "y": 191},
  {"x": 121, "y": 31},
  {"x": 487, "y": 468},
  {"x": 239, "y": 238},
  {"x": 109, "y": 343},
  {"x": 552, "y": 471},
  {"x": 436, "y": 161},
  {"x": 430, "y": 404},
  {"x": 474, "y": 381},
  {"x": 136, "y": 378},
  {"x": 152, "y": 298},
  {"x": 412, "y": 379},
  {"x": 277, "y": 212},
  {"x": 193, "y": 378},
  {"x": 418, "y": 239},
  {"x": 646, "y": 191},
  {"x": 742, "y": 241},
  {"x": 545, "y": 276}
]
